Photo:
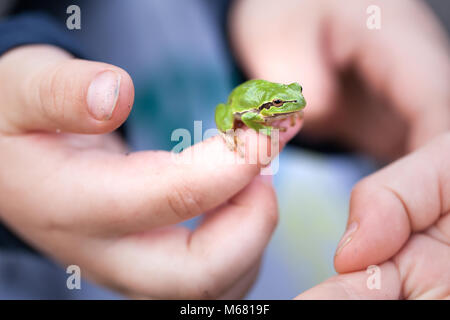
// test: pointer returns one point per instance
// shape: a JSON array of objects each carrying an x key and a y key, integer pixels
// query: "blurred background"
[{"x": 179, "y": 57}]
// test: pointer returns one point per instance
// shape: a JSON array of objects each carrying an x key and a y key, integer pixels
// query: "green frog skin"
[{"x": 258, "y": 104}]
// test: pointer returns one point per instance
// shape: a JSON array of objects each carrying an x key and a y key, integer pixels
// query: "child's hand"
[
  {"x": 400, "y": 220},
  {"x": 382, "y": 91},
  {"x": 83, "y": 201}
]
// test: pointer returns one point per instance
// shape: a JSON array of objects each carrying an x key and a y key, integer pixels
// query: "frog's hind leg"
[
  {"x": 240, "y": 147},
  {"x": 233, "y": 142},
  {"x": 226, "y": 124},
  {"x": 298, "y": 114},
  {"x": 229, "y": 139}
]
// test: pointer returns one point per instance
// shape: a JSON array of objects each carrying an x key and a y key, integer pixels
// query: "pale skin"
[
  {"x": 81, "y": 199},
  {"x": 399, "y": 103},
  {"x": 403, "y": 227}
]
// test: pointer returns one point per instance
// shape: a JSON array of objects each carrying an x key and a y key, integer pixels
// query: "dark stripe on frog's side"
[
  {"x": 266, "y": 105},
  {"x": 267, "y": 119}
]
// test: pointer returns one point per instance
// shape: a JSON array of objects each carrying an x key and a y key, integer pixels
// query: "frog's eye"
[{"x": 277, "y": 102}]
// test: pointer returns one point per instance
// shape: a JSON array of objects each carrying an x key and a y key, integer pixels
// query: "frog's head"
[{"x": 283, "y": 99}]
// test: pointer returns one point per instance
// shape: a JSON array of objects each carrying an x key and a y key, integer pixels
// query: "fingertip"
[
  {"x": 266, "y": 179},
  {"x": 259, "y": 188},
  {"x": 76, "y": 96},
  {"x": 265, "y": 193},
  {"x": 258, "y": 205},
  {"x": 125, "y": 99},
  {"x": 377, "y": 229},
  {"x": 109, "y": 97}
]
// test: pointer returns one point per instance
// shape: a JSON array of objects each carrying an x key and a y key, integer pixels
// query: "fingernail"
[
  {"x": 102, "y": 94},
  {"x": 347, "y": 237}
]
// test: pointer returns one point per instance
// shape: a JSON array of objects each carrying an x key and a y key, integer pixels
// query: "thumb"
[
  {"x": 407, "y": 196},
  {"x": 44, "y": 89}
]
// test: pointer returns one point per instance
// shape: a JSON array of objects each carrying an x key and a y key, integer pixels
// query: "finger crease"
[{"x": 405, "y": 207}]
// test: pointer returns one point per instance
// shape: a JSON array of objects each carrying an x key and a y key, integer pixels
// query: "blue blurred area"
[{"x": 28, "y": 276}]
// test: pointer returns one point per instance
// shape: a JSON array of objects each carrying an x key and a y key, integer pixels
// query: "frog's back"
[{"x": 251, "y": 94}]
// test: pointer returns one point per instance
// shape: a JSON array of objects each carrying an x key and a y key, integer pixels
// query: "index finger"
[
  {"x": 117, "y": 193},
  {"x": 181, "y": 190}
]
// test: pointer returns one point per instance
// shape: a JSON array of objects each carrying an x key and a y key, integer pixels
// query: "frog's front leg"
[
  {"x": 256, "y": 122},
  {"x": 292, "y": 120},
  {"x": 225, "y": 123},
  {"x": 293, "y": 117}
]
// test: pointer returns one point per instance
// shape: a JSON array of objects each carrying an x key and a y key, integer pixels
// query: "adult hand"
[
  {"x": 382, "y": 91},
  {"x": 399, "y": 220},
  {"x": 82, "y": 200}
]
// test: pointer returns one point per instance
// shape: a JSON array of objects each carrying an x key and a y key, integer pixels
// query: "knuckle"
[
  {"x": 183, "y": 200},
  {"x": 52, "y": 92},
  {"x": 53, "y": 222},
  {"x": 202, "y": 285}
]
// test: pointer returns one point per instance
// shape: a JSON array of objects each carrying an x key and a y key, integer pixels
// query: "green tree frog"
[{"x": 258, "y": 104}]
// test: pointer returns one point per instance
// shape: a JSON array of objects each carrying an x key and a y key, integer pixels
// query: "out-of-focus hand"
[
  {"x": 382, "y": 91},
  {"x": 81, "y": 199},
  {"x": 399, "y": 220}
]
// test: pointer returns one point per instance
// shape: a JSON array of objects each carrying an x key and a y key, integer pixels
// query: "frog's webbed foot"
[{"x": 233, "y": 142}]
